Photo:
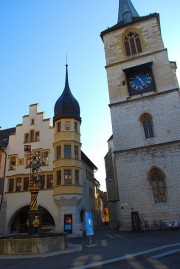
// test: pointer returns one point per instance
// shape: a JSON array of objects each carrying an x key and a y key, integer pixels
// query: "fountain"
[{"x": 34, "y": 242}]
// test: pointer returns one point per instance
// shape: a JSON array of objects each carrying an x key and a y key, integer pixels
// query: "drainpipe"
[{"x": 2, "y": 194}]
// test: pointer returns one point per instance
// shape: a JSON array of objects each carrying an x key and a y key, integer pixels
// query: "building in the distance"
[
  {"x": 66, "y": 174},
  {"x": 142, "y": 164}
]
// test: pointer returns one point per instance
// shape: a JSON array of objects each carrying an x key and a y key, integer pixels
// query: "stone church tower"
[{"x": 142, "y": 165}]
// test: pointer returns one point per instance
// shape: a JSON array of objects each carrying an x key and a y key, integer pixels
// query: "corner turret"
[{"x": 66, "y": 106}]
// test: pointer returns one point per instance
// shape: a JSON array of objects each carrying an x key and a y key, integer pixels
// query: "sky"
[{"x": 36, "y": 37}]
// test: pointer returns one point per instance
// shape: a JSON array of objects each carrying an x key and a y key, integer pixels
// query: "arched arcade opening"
[{"x": 18, "y": 221}]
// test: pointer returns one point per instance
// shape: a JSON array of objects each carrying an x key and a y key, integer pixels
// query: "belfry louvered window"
[{"x": 132, "y": 44}]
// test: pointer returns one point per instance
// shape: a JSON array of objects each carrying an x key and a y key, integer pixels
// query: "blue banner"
[{"x": 89, "y": 223}]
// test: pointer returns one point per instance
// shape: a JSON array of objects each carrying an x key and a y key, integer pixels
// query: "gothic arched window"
[
  {"x": 158, "y": 183},
  {"x": 132, "y": 44},
  {"x": 147, "y": 123}
]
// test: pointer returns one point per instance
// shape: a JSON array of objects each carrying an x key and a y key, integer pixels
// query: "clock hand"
[{"x": 140, "y": 79}]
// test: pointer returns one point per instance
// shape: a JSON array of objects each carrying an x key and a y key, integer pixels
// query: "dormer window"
[{"x": 132, "y": 44}]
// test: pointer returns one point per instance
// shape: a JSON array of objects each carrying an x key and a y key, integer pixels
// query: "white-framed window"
[
  {"x": 76, "y": 150},
  {"x": 58, "y": 152},
  {"x": 45, "y": 157},
  {"x": 12, "y": 162},
  {"x": 18, "y": 184},
  {"x": 67, "y": 177},
  {"x": 58, "y": 177},
  {"x": 76, "y": 177},
  {"x": 67, "y": 151},
  {"x": 11, "y": 185},
  {"x": 49, "y": 181},
  {"x": 26, "y": 184}
]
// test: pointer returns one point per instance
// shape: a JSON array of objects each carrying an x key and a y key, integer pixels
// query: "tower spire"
[
  {"x": 66, "y": 80},
  {"x": 126, "y": 11}
]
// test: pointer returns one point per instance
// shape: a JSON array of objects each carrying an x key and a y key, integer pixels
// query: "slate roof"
[
  {"x": 126, "y": 6},
  {"x": 4, "y": 136},
  {"x": 137, "y": 19},
  {"x": 67, "y": 106}
]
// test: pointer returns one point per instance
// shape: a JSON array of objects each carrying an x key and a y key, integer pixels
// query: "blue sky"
[{"x": 36, "y": 35}]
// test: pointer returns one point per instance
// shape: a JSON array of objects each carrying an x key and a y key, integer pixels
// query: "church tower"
[
  {"x": 67, "y": 160},
  {"x": 145, "y": 114}
]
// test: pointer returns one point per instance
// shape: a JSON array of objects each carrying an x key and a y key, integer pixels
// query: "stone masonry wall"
[{"x": 135, "y": 190}]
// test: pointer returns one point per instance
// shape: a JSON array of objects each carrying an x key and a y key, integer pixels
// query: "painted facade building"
[
  {"x": 66, "y": 174},
  {"x": 142, "y": 164}
]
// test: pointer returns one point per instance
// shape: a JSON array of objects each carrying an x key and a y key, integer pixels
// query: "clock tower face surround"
[{"x": 140, "y": 79}]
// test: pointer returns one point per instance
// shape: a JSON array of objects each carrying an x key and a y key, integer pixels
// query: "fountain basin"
[{"x": 24, "y": 244}]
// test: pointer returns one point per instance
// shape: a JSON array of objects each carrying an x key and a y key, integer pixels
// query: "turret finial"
[{"x": 66, "y": 80}]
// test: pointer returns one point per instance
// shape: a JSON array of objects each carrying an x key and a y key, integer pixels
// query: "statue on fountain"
[{"x": 33, "y": 222}]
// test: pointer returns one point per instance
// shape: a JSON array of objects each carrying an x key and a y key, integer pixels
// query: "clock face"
[{"x": 140, "y": 81}]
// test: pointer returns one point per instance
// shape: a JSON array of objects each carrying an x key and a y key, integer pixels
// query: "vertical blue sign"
[{"x": 89, "y": 223}]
